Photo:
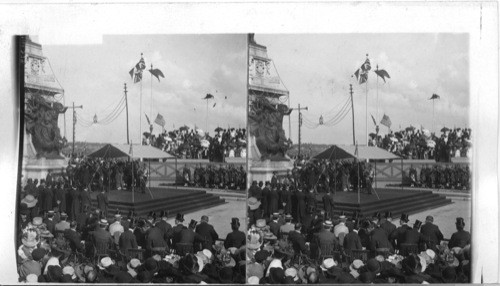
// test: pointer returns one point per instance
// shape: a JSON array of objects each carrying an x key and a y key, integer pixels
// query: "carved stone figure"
[{"x": 265, "y": 123}]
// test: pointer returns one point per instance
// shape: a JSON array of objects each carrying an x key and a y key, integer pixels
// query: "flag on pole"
[
  {"x": 147, "y": 118},
  {"x": 136, "y": 72},
  {"x": 374, "y": 121},
  {"x": 160, "y": 120},
  {"x": 382, "y": 73},
  {"x": 208, "y": 96},
  {"x": 131, "y": 150},
  {"x": 157, "y": 73},
  {"x": 434, "y": 96},
  {"x": 386, "y": 121},
  {"x": 362, "y": 73}
]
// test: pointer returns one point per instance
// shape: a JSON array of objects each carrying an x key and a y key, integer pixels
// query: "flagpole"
[
  {"x": 377, "y": 94},
  {"x": 140, "y": 112},
  {"x": 433, "y": 127},
  {"x": 133, "y": 175},
  {"x": 366, "y": 111},
  {"x": 206, "y": 121},
  {"x": 151, "y": 108}
]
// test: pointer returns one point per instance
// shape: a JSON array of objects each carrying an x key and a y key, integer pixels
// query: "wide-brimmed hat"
[
  {"x": 103, "y": 222},
  {"x": 38, "y": 253},
  {"x": 69, "y": 271},
  {"x": 260, "y": 223},
  {"x": 254, "y": 240},
  {"x": 253, "y": 203},
  {"x": 356, "y": 265},
  {"x": 292, "y": 272},
  {"x": 105, "y": 262},
  {"x": 32, "y": 278},
  {"x": 327, "y": 264},
  {"x": 275, "y": 263},
  {"x": 46, "y": 234},
  {"x": 37, "y": 221},
  {"x": 253, "y": 280},
  {"x": 29, "y": 200},
  {"x": 30, "y": 238},
  {"x": 133, "y": 264},
  {"x": 328, "y": 223}
]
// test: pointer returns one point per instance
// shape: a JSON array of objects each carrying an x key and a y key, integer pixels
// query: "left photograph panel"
[{"x": 134, "y": 163}]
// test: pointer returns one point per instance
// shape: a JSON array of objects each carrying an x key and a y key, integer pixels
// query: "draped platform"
[{"x": 173, "y": 200}]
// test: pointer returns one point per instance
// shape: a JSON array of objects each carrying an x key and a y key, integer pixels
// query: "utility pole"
[
  {"x": 300, "y": 122},
  {"x": 352, "y": 108},
  {"x": 74, "y": 124},
  {"x": 126, "y": 106}
]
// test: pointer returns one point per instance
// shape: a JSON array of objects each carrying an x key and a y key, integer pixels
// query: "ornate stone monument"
[
  {"x": 267, "y": 106},
  {"x": 42, "y": 138}
]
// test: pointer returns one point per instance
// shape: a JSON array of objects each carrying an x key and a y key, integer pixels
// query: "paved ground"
[
  {"x": 220, "y": 216},
  {"x": 445, "y": 216}
]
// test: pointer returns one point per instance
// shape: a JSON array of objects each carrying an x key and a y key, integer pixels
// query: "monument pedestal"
[
  {"x": 263, "y": 170},
  {"x": 38, "y": 168}
]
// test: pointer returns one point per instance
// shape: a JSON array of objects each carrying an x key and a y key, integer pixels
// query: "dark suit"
[
  {"x": 298, "y": 241},
  {"x": 102, "y": 203},
  {"x": 127, "y": 241},
  {"x": 155, "y": 238},
  {"x": 51, "y": 225},
  {"x": 166, "y": 229},
  {"x": 378, "y": 239},
  {"x": 301, "y": 205},
  {"x": 399, "y": 234},
  {"x": 413, "y": 236},
  {"x": 208, "y": 234},
  {"x": 459, "y": 239},
  {"x": 328, "y": 204},
  {"x": 274, "y": 227},
  {"x": 272, "y": 200},
  {"x": 75, "y": 203},
  {"x": 74, "y": 239},
  {"x": 287, "y": 199},
  {"x": 176, "y": 230},
  {"x": 102, "y": 239},
  {"x": 388, "y": 226},
  {"x": 432, "y": 234},
  {"x": 326, "y": 240},
  {"x": 85, "y": 199},
  {"x": 265, "y": 202},
  {"x": 60, "y": 195},
  {"x": 235, "y": 238},
  {"x": 352, "y": 241}
]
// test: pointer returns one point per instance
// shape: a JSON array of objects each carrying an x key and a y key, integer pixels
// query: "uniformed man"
[
  {"x": 207, "y": 233},
  {"x": 179, "y": 219},
  {"x": 328, "y": 203},
  {"x": 301, "y": 204}
]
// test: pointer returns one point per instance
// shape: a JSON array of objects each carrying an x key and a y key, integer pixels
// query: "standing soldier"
[
  {"x": 102, "y": 202},
  {"x": 301, "y": 204},
  {"x": 60, "y": 196},
  {"x": 328, "y": 204},
  {"x": 75, "y": 203},
  {"x": 265, "y": 199},
  {"x": 49, "y": 197},
  {"x": 273, "y": 200},
  {"x": 287, "y": 200}
]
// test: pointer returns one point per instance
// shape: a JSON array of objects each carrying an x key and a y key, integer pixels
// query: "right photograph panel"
[{"x": 359, "y": 155}]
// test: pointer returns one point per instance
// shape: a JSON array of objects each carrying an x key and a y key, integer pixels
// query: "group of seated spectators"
[
  {"x": 193, "y": 143},
  {"x": 91, "y": 247},
  {"x": 412, "y": 143},
  {"x": 450, "y": 177},
  {"x": 327, "y": 248},
  {"x": 209, "y": 176}
]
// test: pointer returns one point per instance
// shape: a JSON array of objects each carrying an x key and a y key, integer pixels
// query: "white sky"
[
  {"x": 193, "y": 65},
  {"x": 317, "y": 69}
]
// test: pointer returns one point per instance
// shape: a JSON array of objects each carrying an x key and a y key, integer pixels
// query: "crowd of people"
[
  {"x": 78, "y": 242},
  {"x": 456, "y": 177},
  {"x": 412, "y": 143},
  {"x": 193, "y": 143},
  {"x": 108, "y": 174},
  {"x": 328, "y": 248},
  {"x": 209, "y": 176}
]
